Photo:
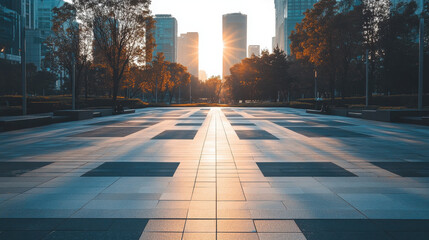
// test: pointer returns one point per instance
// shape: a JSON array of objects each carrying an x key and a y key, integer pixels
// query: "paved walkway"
[{"x": 212, "y": 173}]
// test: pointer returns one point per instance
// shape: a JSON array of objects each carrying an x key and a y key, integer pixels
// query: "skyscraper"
[
  {"x": 45, "y": 17},
  {"x": 254, "y": 50},
  {"x": 187, "y": 52},
  {"x": 288, "y": 14},
  {"x": 234, "y": 26},
  {"x": 166, "y": 36},
  {"x": 10, "y": 32}
]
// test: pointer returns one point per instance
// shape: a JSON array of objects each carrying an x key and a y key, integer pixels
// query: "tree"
[
  {"x": 179, "y": 76},
  {"x": 213, "y": 88},
  {"x": 159, "y": 76},
  {"x": 69, "y": 44},
  {"x": 314, "y": 40},
  {"x": 399, "y": 49},
  {"x": 119, "y": 28}
]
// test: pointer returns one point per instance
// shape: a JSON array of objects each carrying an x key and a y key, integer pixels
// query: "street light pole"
[
  {"x": 315, "y": 85},
  {"x": 23, "y": 63},
  {"x": 367, "y": 79},
  {"x": 190, "y": 92},
  {"x": 421, "y": 58},
  {"x": 73, "y": 82},
  {"x": 156, "y": 90}
]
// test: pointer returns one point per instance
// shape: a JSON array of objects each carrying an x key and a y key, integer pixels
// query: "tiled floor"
[{"x": 191, "y": 173}]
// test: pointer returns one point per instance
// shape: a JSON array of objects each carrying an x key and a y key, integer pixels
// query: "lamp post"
[
  {"x": 421, "y": 58},
  {"x": 73, "y": 75},
  {"x": 367, "y": 79},
  {"x": 23, "y": 62},
  {"x": 315, "y": 85}
]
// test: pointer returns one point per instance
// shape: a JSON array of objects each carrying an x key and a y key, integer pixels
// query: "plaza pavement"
[{"x": 213, "y": 173}]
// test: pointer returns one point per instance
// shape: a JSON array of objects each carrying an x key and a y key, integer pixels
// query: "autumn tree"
[
  {"x": 179, "y": 77},
  {"x": 213, "y": 88}
]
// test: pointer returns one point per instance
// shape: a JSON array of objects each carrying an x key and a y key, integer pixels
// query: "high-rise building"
[
  {"x": 419, "y": 3},
  {"x": 202, "y": 75},
  {"x": 166, "y": 36},
  {"x": 187, "y": 52},
  {"x": 45, "y": 16},
  {"x": 10, "y": 33},
  {"x": 27, "y": 8},
  {"x": 254, "y": 50},
  {"x": 288, "y": 14},
  {"x": 234, "y": 26}
]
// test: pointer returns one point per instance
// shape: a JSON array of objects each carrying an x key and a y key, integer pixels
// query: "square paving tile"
[
  {"x": 277, "y": 226},
  {"x": 255, "y": 135},
  {"x": 242, "y": 124},
  {"x": 165, "y": 225},
  {"x": 405, "y": 169},
  {"x": 134, "y": 169},
  {"x": 110, "y": 122},
  {"x": 326, "y": 132},
  {"x": 176, "y": 134},
  {"x": 233, "y": 115},
  {"x": 302, "y": 169},
  {"x": 235, "y": 226},
  {"x": 110, "y": 132},
  {"x": 15, "y": 169},
  {"x": 189, "y": 124}
]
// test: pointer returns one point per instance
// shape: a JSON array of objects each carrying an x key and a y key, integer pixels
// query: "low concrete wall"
[
  {"x": 104, "y": 111},
  {"x": 75, "y": 115},
  {"x": 21, "y": 122},
  {"x": 391, "y": 115},
  {"x": 339, "y": 111}
]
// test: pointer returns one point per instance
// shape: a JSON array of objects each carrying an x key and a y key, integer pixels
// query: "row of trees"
[{"x": 331, "y": 43}]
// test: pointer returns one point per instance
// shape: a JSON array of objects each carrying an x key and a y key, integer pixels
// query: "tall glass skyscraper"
[
  {"x": 166, "y": 36},
  {"x": 187, "y": 51},
  {"x": 288, "y": 14},
  {"x": 234, "y": 26},
  {"x": 45, "y": 16}
]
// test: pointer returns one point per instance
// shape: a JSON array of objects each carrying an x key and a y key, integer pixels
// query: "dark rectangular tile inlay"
[
  {"x": 302, "y": 169},
  {"x": 369, "y": 229},
  {"x": 255, "y": 135},
  {"x": 110, "y": 132},
  {"x": 405, "y": 169},
  {"x": 15, "y": 169},
  {"x": 73, "y": 228},
  {"x": 177, "y": 134},
  {"x": 325, "y": 132},
  {"x": 134, "y": 169}
]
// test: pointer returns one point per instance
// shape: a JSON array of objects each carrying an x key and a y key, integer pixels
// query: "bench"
[
  {"x": 355, "y": 114},
  {"x": 21, "y": 122}
]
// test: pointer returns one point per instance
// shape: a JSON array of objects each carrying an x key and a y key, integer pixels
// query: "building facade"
[
  {"x": 187, "y": 52},
  {"x": 165, "y": 34},
  {"x": 288, "y": 14},
  {"x": 45, "y": 17},
  {"x": 12, "y": 12},
  {"x": 10, "y": 33},
  {"x": 234, "y": 34},
  {"x": 254, "y": 50}
]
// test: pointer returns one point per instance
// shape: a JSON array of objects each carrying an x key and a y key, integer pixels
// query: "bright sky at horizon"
[{"x": 205, "y": 17}]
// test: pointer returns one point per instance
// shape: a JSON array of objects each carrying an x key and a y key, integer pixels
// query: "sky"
[{"x": 205, "y": 17}]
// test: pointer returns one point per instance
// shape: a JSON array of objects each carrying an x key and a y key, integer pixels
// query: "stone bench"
[
  {"x": 75, "y": 115},
  {"x": 21, "y": 122}
]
